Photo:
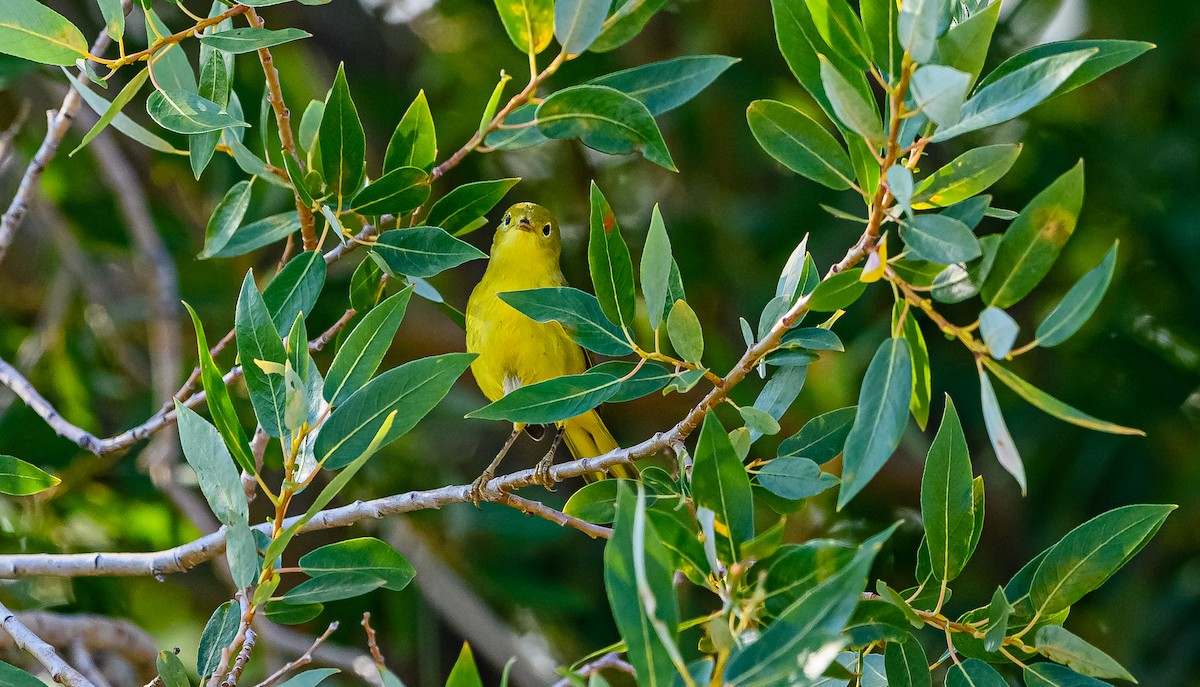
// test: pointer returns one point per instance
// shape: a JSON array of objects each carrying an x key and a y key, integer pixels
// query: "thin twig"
[
  {"x": 531, "y": 507},
  {"x": 372, "y": 644},
  {"x": 304, "y": 659},
  {"x": 239, "y": 664},
  {"x": 60, "y": 671},
  {"x": 82, "y": 658},
  {"x": 610, "y": 660}
]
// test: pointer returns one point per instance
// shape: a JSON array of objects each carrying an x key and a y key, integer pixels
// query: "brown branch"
[
  {"x": 304, "y": 659},
  {"x": 372, "y": 644},
  {"x": 239, "y": 664},
  {"x": 531, "y": 507},
  {"x": 60, "y": 671}
]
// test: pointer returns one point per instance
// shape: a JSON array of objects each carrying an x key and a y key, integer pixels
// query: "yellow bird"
[{"x": 515, "y": 350}]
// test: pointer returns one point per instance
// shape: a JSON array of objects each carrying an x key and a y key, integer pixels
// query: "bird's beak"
[{"x": 525, "y": 225}]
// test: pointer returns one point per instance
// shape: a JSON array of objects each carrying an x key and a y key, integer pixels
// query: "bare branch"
[
  {"x": 304, "y": 659},
  {"x": 60, "y": 671},
  {"x": 610, "y": 660},
  {"x": 97, "y": 633},
  {"x": 531, "y": 507}
]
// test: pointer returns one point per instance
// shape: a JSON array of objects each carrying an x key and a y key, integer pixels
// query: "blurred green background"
[{"x": 73, "y": 310}]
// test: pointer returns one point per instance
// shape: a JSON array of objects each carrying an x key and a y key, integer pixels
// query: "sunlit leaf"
[
  {"x": 529, "y": 23},
  {"x": 799, "y": 143},
  {"x": 604, "y": 119},
  {"x": 414, "y": 142},
  {"x": 968, "y": 174},
  {"x": 397, "y": 192},
  {"x": 342, "y": 141},
  {"x": 664, "y": 86},
  {"x": 609, "y": 262},
  {"x": 946, "y": 498},
  {"x": 683, "y": 328},
  {"x": 249, "y": 39},
  {"x": 205, "y": 451},
  {"x": 423, "y": 251},
  {"x": 18, "y": 478},
  {"x": 999, "y": 331},
  {"x": 34, "y": 32},
  {"x": 1108, "y": 55},
  {"x": 363, "y": 349},
  {"x": 295, "y": 288}
]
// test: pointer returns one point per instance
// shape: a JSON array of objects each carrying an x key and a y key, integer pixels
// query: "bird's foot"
[
  {"x": 479, "y": 486},
  {"x": 541, "y": 472}
]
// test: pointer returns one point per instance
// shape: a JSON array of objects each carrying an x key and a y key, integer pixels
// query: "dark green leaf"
[
  {"x": 820, "y": 439},
  {"x": 171, "y": 670},
  {"x": 314, "y": 677},
  {"x": 423, "y": 251},
  {"x": 882, "y": 415},
  {"x": 626, "y": 23},
  {"x": 342, "y": 141},
  {"x": 720, "y": 484},
  {"x": 529, "y": 23},
  {"x": 837, "y": 292},
  {"x": 597, "y": 502},
  {"x": 957, "y": 283},
  {"x": 648, "y": 378},
  {"x": 796, "y": 570},
  {"x": 259, "y": 233},
  {"x": 578, "y": 23},
  {"x": 1107, "y": 55},
  {"x": 363, "y": 350},
  {"x": 411, "y": 390},
  {"x": 458, "y": 210},
  {"x": 799, "y": 143},
  {"x": 968, "y": 174},
  {"x": 397, "y": 192},
  {"x": 520, "y": 136},
  {"x": 939, "y": 239},
  {"x": 18, "y": 478},
  {"x": 291, "y": 614},
  {"x": 965, "y": 45},
  {"x": 1047, "y": 674},
  {"x": 362, "y": 555},
  {"x": 258, "y": 339},
  {"x": 922, "y": 391},
  {"x": 656, "y": 269},
  {"x": 664, "y": 86},
  {"x": 333, "y": 588},
  {"x": 205, "y": 451},
  {"x": 906, "y": 663},
  {"x": 683, "y": 328},
  {"x": 1089, "y": 554},
  {"x": 220, "y": 405},
  {"x": 121, "y": 122},
  {"x": 604, "y": 119},
  {"x": 609, "y": 262},
  {"x": 813, "y": 339},
  {"x": 1016, "y": 93},
  {"x": 974, "y": 673},
  {"x": 1033, "y": 241},
  {"x": 1053, "y": 406},
  {"x": 794, "y": 478},
  {"x": 578, "y": 312},
  {"x": 34, "y": 32},
  {"x": 238, "y": 41},
  {"x": 295, "y": 289},
  {"x": 552, "y": 400},
  {"x": 946, "y": 497},
  {"x": 414, "y": 142},
  {"x": 997, "y": 627},
  {"x": 858, "y": 114},
  {"x": 1078, "y": 305},
  {"x": 187, "y": 113},
  {"x": 841, "y": 30},
  {"x": 15, "y": 677},
  {"x": 215, "y": 75},
  {"x": 218, "y": 633}
]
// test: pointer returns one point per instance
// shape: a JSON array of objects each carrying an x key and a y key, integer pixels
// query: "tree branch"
[{"x": 60, "y": 671}]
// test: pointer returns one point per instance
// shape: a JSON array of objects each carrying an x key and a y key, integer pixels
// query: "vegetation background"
[{"x": 72, "y": 309}]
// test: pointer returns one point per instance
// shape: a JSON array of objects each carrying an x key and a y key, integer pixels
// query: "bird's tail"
[{"x": 587, "y": 437}]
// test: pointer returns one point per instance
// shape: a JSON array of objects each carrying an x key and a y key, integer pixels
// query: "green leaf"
[
  {"x": 1053, "y": 406},
  {"x": 295, "y": 289},
  {"x": 410, "y": 390},
  {"x": 529, "y": 23},
  {"x": 414, "y": 142},
  {"x": 998, "y": 330},
  {"x": 900, "y": 183},
  {"x": 626, "y": 23},
  {"x": 291, "y": 614},
  {"x": 342, "y": 141},
  {"x": 760, "y": 421},
  {"x": 906, "y": 663},
  {"x": 604, "y": 119},
  {"x": 879, "y": 19},
  {"x": 965, "y": 45},
  {"x": 720, "y": 484},
  {"x": 18, "y": 478},
  {"x": 520, "y": 136},
  {"x": 458, "y": 210},
  {"x": 364, "y": 348},
  {"x": 114, "y": 108},
  {"x": 799, "y": 143},
  {"x": 259, "y": 233},
  {"x": 922, "y": 391},
  {"x": 780, "y": 391},
  {"x": 172, "y": 68},
  {"x": 946, "y": 498},
  {"x": 114, "y": 18},
  {"x": 362, "y": 555},
  {"x": 238, "y": 41},
  {"x": 15, "y": 677},
  {"x": 171, "y": 669},
  {"x": 841, "y": 30},
  {"x": 664, "y": 86},
  {"x": 1057, "y": 644},
  {"x": 968, "y": 174},
  {"x": 820, "y": 439},
  {"x": 656, "y": 268},
  {"x": 464, "y": 673},
  {"x": 974, "y": 673},
  {"x": 882, "y": 415},
  {"x": 920, "y": 24},
  {"x": 639, "y": 380},
  {"x": 188, "y": 113},
  {"x": 837, "y": 292},
  {"x": 258, "y": 339},
  {"x": 205, "y": 451},
  {"x": 683, "y": 328},
  {"x": 242, "y": 555},
  {"x": 215, "y": 76},
  {"x": 1106, "y": 56},
  {"x": 794, "y": 478},
  {"x": 121, "y": 122},
  {"x": 1078, "y": 305},
  {"x": 1047, "y": 674},
  {"x": 940, "y": 239},
  {"x": 939, "y": 92},
  {"x": 220, "y": 405},
  {"x": 578, "y": 312},
  {"x": 34, "y": 32},
  {"x": 397, "y": 192},
  {"x": 1089, "y": 554},
  {"x": 218, "y": 633},
  {"x": 335, "y": 587},
  {"x": 1033, "y": 241},
  {"x": 314, "y": 677},
  {"x": 609, "y": 262},
  {"x": 578, "y": 23},
  {"x": 1014, "y": 94},
  {"x": 552, "y": 400},
  {"x": 597, "y": 502},
  {"x": 997, "y": 627},
  {"x": 957, "y": 283},
  {"x": 638, "y": 581},
  {"x": 813, "y": 339},
  {"x": 423, "y": 251},
  {"x": 998, "y": 434},
  {"x": 813, "y": 621},
  {"x": 852, "y": 109}
]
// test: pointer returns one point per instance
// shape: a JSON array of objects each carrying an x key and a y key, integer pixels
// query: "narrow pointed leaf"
[
  {"x": 946, "y": 498},
  {"x": 220, "y": 405},
  {"x": 34, "y": 32},
  {"x": 295, "y": 289},
  {"x": 1108, "y": 55},
  {"x": 997, "y": 429},
  {"x": 664, "y": 86},
  {"x": 851, "y": 108},
  {"x": 423, "y": 251},
  {"x": 414, "y": 142},
  {"x": 553, "y": 400},
  {"x": 882, "y": 415},
  {"x": 342, "y": 141},
  {"x": 720, "y": 483},
  {"x": 821, "y": 439},
  {"x": 458, "y": 210},
  {"x": 799, "y": 143},
  {"x": 968, "y": 174},
  {"x": 205, "y": 451},
  {"x": 258, "y": 339},
  {"x": 1078, "y": 305},
  {"x": 656, "y": 268},
  {"x": 609, "y": 262},
  {"x": 397, "y": 192},
  {"x": 1053, "y": 406},
  {"x": 363, "y": 349},
  {"x": 18, "y": 478},
  {"x": 243, "y": 40}
]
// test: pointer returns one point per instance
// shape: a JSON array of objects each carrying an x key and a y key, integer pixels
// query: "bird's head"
[{"x": 527, "y": 230}]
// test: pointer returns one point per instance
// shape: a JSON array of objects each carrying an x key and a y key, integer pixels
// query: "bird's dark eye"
[
  {"x": 507, "y": 219},
  {"x": 546, "y": 229}
]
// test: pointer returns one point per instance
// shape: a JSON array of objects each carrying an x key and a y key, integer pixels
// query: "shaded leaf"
[
  {"x": 1052, "y": 405},
  {"x": 363, "y": 349},
  {"x": 940, "y": 239},
  {"x": 821, "y": 439},
  {"x": 220, "y": 405},
  {"x": 1108, "y": 55},
  {"x": 243, "y": 40},
  {"x": 859, "y": 114},
  {"x": 609, "y": 262},
  {"x": 397, "y": 192},
  {"x": 458, "y": 210},
  {"x": 423, "y": 251},
  {"x": 997, "y": 627},
  {"x": 259, "y": 233},
  {"x": 799, "y": 143},
  {"x": 187, "y": 113},
  {"x": 326, "y": 588},
  {"x": 720, "y": 483},
  {"x": 656, "y": 268},
  {"x": 946, "y": 498},
  {"x": 604, "y": 119},
  {"x": 882, "y": 415},
  {"x": 997, "y": 429},
  {"x": 1078, "y": 305},
  {"x": 362, "y": 555},
  {"x": 794, "y": 478},
  {"x": 1048, "y": 674},
  {"x": 258, "y": 339},
  {"x": 205, "y": 451},
  {"x": 577, "y": 311},
  {"x": 552, "y": 400},
  {"x": 295, "y": 288},
  {"x": 578, "y": 23},
  {"x": 218, "y": 633},
  {"x": 664, "y": 86}
]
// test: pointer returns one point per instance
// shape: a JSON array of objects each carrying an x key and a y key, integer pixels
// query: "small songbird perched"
[{"x": 515, "y": 350}]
